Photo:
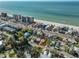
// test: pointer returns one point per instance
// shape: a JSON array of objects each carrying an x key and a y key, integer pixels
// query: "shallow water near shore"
[{"x": 60, "y": 12}]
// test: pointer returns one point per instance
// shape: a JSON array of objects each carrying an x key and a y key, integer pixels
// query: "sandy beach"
[{"x": 56, "y": 24}]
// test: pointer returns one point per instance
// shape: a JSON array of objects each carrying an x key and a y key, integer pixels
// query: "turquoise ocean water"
[{"x": 61, "y": 12}]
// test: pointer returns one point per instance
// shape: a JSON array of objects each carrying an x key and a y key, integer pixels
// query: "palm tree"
[
  {"x": 55, "y": 53},
  {"x": 67, "y": 48},
  {"x": 35, "y": 52},
  {"x": 60, "y": 38},
  {"x": 20, "y": 54}
]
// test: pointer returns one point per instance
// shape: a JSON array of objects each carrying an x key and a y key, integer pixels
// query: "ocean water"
[{"x": 61, "y": 12}]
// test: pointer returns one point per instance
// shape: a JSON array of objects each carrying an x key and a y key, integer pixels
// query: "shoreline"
[{"x": 56, "y": 24}]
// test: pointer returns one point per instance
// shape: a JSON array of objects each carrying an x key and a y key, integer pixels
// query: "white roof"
[
  {"x": 0, "y": 42},
  {"x": 38, "y": 39},
  {"x": 45, "y": 52},
  {"x": 27, "y": 55},
  {"x": 45, "y": 55},
  {"x": 75, "y": 48},
  {"x": 10, "y": 15},
  {"x": 49, "y": 55}
]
